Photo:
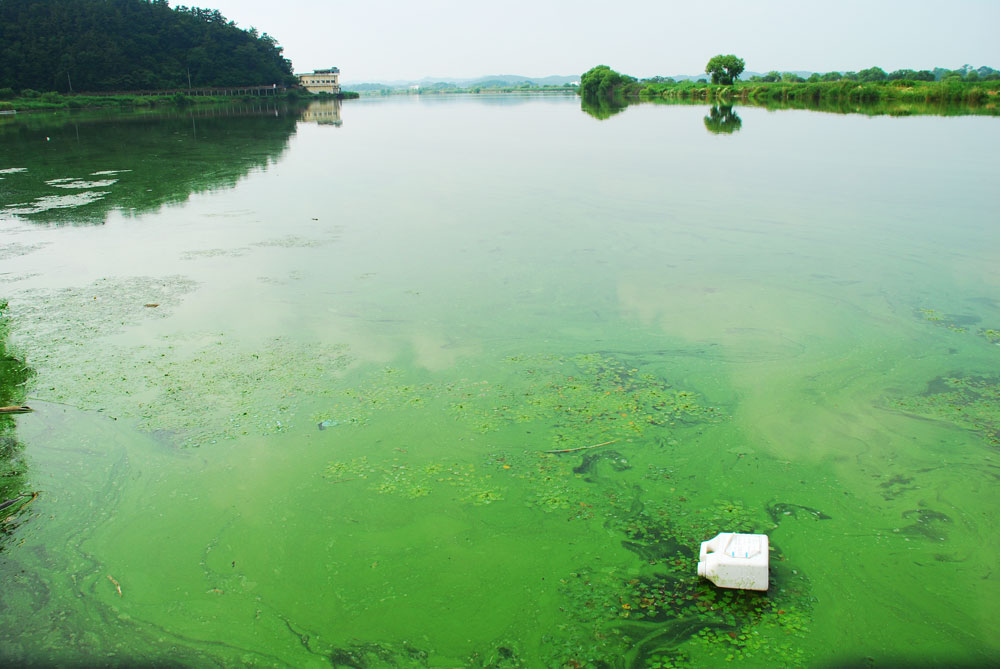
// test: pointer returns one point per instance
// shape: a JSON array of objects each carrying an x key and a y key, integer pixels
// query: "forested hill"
[{"x": 106, "y": 45}]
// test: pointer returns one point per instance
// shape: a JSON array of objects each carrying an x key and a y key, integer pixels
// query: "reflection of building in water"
[
  {"x": 324, "y": 112},
  {"x": 321, "y": 81}
]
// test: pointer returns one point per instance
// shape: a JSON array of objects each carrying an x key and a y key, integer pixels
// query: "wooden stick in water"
[
  {"x": 16, "y": 409},
  {"x": 582, "y": 448},
  {"x": 117, "y": 585}
]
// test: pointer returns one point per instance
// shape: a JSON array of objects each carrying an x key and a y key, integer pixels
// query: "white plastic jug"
[{"x": 735, "y": 561}]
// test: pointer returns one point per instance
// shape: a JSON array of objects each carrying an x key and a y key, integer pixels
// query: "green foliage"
[
  {"x": 97, "y": 45},
  {"x": 910, "y": 75},
  {"x": 29, "y": 93},
  {"x": 14, "y": 378},
  {"x": 603, "y": 83},
  {"x": 872, "y": 74},
  {"x": 725, "y": 70},
  {"x": 6, "y": 93},
  {"x": 846, "y": 91},
  {"x": 6, "y": 106}
]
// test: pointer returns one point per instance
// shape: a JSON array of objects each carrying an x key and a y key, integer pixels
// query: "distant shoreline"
[{"x": 35, "y": 101}]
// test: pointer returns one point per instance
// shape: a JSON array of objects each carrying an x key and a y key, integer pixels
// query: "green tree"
[
  {"x": 725, "y": 69},
  {"x": 603, "y": 83},
  {"x": 873, "y": 74},
  {"x": 102, "y": 45}
]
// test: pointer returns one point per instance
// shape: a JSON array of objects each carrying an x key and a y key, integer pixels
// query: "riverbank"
[
  {"x": 950, "y": 92},
  {"x": 35, "y": 101}
]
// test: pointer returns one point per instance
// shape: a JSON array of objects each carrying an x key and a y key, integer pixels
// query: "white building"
[{"x": 321, "y": 81}]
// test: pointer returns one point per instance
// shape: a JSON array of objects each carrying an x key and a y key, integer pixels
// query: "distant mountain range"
[
  {"x": 431, "y": 84},
  {"x": 489, "y": 81},
  {"x": 501, "y": 80}
]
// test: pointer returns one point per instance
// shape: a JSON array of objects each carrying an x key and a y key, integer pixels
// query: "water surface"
[{"x": 298, "y": 378}]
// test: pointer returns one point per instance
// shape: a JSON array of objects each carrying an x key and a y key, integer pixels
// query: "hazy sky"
[{"x": 381, "y": 40}]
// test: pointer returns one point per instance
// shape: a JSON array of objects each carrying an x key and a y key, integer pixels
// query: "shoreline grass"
[
  {"x": 52, "y": 101},
  {"x": 985, "y": 93}
]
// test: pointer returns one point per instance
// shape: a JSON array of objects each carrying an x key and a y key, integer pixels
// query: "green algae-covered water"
[{"x": 464, "y": 382}]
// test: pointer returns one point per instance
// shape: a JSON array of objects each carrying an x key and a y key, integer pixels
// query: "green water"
[{"x": 296, "y": 377}]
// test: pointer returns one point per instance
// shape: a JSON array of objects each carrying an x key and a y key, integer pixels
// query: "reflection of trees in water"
[
  {"x": 77, "y": 168},
  {"x": 14, "y": 376},
  {"x": 722, "y": 119},
  {"x": 600, "y": 108}
]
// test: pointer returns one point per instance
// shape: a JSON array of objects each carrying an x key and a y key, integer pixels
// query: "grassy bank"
[
  {"x": 34, "y": 101},
  {"x": 833, "y": 92}
]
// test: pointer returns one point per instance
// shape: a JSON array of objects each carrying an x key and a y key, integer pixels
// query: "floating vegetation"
[
  {"x": 970, "y": 402},
  {"x": 362, "y": 655},
  {"x": 991, "y": 335},
  {"x": 959, "y": 324},
  {"x": 594, "y": 398},
  {"x": 14, "y": 250},
  {"x": 535, "y": 479},
  {"x": 781, "y": 510},
  {"x": 76, "y": 316},
  {"x": 941, "y": 320},
  {"x": 666, "y": 616},
  {"x": 925, "y": 523},
  {"x": 215, "y": 253},
  {"x": 290, "y": 242},
  {"x": 200, "y": 387},
  {"x": 583, "y": 400},
  {"x": 657, "y": 614}
]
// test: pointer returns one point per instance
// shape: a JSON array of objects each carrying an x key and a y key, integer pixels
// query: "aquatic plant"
[
  {"x": 14, "y": 378},
  {"x": 970, "y": 402},
  {"x": 202, "y": 387},
  {"x": 991, "y": 335},
  {"x": 666, "y": 616},
  {"x": 582, "y": 400}
]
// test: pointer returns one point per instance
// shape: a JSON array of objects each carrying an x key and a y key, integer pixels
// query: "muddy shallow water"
[{"x": 309, "y": 389}]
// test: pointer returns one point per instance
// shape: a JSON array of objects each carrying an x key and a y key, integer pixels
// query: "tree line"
[
  {"x": 605, "y": 91},
  {"x": 121, "y": 45},
  {"x": 873, "y": 74}
]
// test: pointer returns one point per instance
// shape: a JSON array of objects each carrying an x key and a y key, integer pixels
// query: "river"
[{"x": 464, "y": 381}]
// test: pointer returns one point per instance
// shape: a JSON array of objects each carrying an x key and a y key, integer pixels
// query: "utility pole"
[{"x": 70, "y": 82}]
